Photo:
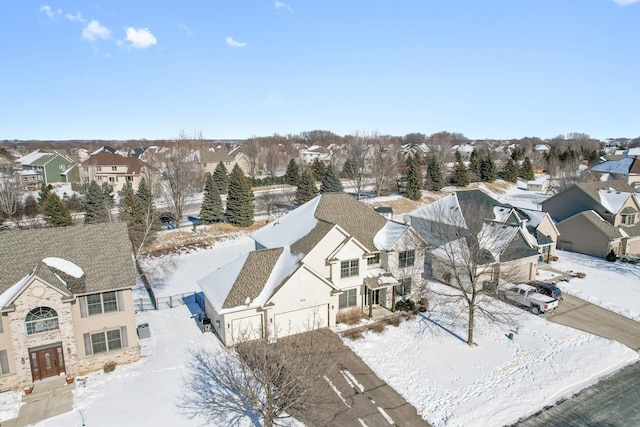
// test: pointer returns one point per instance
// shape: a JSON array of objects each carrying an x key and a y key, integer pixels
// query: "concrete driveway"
[
  {"x": 580, "y": 314},
  {"x": 356, "y": 396}
]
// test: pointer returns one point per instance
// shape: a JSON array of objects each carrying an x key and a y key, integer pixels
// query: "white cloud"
[
  {"x": 77, "y": 17},
  {"x": 140, "y": 38},
  {"x": 233, "y": 43},
  {"x": 186, "y": 29},
  {"x": 280, "y": 5},
  {"x": 52, "y": 14},
  {"x": 94, "y": 31},
  {"x": 626, "y": 2}
]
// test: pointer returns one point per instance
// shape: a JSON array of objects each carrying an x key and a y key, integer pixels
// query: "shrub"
[
  {"x": 581, "y": 275},
  {"x": 406, "y": 305},
  {"x": 611, "y": 256},
  {"x": 351, "y": 316},
  {"x": 378, "y": 326},
  {"x": 109, "y": 366},
  {"x": 395, "y": 321},
  {"x": 554, "y": 258},
  {"x": 353, "y": 333}
]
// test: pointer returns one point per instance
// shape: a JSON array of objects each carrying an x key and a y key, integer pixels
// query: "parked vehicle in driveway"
[
  {"x": 528, "y": 296},
  {"x": 548, "y": 289}
]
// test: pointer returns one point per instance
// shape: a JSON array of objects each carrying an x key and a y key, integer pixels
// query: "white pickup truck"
[{"x": 528, "y": 296}]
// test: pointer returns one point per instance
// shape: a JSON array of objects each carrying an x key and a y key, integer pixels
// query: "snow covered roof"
[
  {"x": 445, "y": 210},
  {"x": 389, "y": 235},
  {"x": 620, "y": 167},
  {"x": 290, "y": 228},
  {"x": 65, "y": 266},
  {"x": 613, "y": 200},
  {"x": 31, "y": 157}
]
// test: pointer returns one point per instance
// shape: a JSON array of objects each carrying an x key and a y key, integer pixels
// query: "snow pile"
[
  {"x": 496, "y": 382},
  {"x": 65, "y": 266}
]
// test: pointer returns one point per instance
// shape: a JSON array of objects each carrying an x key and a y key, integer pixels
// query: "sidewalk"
[{"x": 49, "y": 398}]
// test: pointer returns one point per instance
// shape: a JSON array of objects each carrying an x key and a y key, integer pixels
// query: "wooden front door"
[{"x": 46, "y": 362}]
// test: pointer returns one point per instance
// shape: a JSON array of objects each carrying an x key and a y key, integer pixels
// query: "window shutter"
[
  {"x": 87, "y": 345},
  {"x": 83, "y": 307},
  {"x": 123, "y": 337},
  {"x": 4, "y": 362},
  {"x": 120, "y": 296}
]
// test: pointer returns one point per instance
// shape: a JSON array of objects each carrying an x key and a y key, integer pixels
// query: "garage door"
[
  {"x": 302, "y": 320},
  {"x": 246, "y": 328}
]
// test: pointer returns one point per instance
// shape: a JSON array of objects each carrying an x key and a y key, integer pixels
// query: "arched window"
[{"x": 41, "y": 319}]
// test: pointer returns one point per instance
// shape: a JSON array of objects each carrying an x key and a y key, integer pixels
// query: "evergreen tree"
[
  {"x": 475, "y": 163},
  {"x": 318, "y": 168},
  {"x": 526, "y": 170},
  {"x": 55, "y": 212},
  {"x": 460, "y": 177},
  {"x": 306, "y": 188},
  {"x": 413, "y": 180},
  {"x": 488, "y": 169},
  {"x": 292, "y": 175},
  {"x": 510, "y": 172},
  {"x": 144, "y": 192},
  {"x": 348, "y": 169},
  {"x": 43, "y": 195},
  {"x": 31, "y": 207},
  {"x": 331, "y": 181},
  {"x": 150, "y": 213},
  {"x": 212, "y": 209},
  {"x": 239, "y": 199},
  {"x": 93, "y": 204},
  {"x": 435, "y": 178},
  {"x": 221, "y": 178}
]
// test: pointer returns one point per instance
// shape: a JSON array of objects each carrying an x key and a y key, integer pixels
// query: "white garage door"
[
  {"x": 302, "y": 320},
  {"x": 246, "y": 328}
]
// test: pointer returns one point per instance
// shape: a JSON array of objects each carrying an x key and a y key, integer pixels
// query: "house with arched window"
[{"x": 66, "y": 304}]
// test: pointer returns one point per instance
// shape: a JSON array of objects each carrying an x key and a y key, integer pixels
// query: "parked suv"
[{"x": 548, "y": 289}]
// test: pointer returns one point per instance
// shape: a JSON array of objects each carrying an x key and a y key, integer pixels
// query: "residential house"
[
  {"x": 66, "y": 302},
  {"x": 314, "y": 152},
  {"x": 40, "y": 167},
  {"x": 208, "y": 158},
  {"x": 597, "y": 217},
  {"x": 505, "y": 242},
  {"x": 116, "y": 170},
  {"x": 626, "y": 169},
  {"x": 331, "y": 254}
]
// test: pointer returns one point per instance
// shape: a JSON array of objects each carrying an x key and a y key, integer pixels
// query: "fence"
[{"x": 145, "y": 304}]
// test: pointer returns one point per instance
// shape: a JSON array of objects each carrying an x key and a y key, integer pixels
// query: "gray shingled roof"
[
  {"x": 103, "y": 251},
  {"x": 308, "y": 242},
  {"x": 358, "y": 219},
  {"x": 253, "y": 277},
  {"x": 592, "y": 216},
  {"x": 591, "y": 188}
]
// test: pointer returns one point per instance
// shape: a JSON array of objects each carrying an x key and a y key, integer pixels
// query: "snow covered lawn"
[
  {"x": 611, "y": 285},
  {"x": 496, "y": 382}
]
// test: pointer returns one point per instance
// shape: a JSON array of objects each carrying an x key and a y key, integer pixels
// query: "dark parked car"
[{"x": 548, "y": 289}]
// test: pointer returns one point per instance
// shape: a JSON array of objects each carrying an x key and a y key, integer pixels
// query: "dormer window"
[
  {"x": 629, "y": 219},
  {"x": 374, "y": 260}
]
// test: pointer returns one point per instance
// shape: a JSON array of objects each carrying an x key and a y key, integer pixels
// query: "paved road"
[
  {"x": 365, "y": 400},
  {"x": 580, "y": 314},
  {"x": 613, "y": 401}
]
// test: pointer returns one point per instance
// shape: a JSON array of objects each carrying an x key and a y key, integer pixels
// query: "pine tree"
[
  {"x": 93, "y": 204},
  {"x": 510, "y": 172},
  {"x": 331, "y": 181},
  {"x": 240, "y": 199},
  {"x": 306, "y": 188},
  {"x": 221, "y": 178},
  {"x": 413, "y": 179},
  {"x": 151, "y": 215},
  {"x": 144, "y": 192},
  {"x": 348, "y": 169},
  {"x": 55, "y": 212},
  {"x": 526, "y": 170},
  {"x": 212, "y": 209},
  {"x": 475, "y": 163},
  {"x": 435, "y": 178},
  {"x": 488, "y": 169},
  {"x": 43, "y": 195},
  {"x": 460, "y": 177},
  {"x": 318, "y": 168},
  {"x": 292, "y": 175}
]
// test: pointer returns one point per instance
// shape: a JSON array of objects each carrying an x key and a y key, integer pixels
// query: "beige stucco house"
[
  {"x": 596, "y": 218},
  {"x": 66, "y": 302},
  {"x": 331, "y": 254},
  {"x": 116, "y": 170}
]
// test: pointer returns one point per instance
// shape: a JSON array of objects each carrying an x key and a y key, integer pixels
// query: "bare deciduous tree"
[
  {"x": 272, "y": 161},
  {"x": 359, "y": 172},
  {"x": 266, "y": 382},
  {"x": 383, "y": 165},
  {"x": 10, "y": 193},
  {"x": 251, "y": 148}
]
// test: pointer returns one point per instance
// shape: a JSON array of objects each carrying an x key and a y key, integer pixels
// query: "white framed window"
[
  {"x": 114, "y": 168},
  {"x": 105, "y": 302},
  {"x": 349, "y": 268},
  {"x": 406, "y": 258},
  {"x": 404, "y": 288},
  {"x": 41, "y": 319},
  {"x": 105, "y": 341},
  {"x": 374, "y": 260},
  {"x": 348, "y": 298}
]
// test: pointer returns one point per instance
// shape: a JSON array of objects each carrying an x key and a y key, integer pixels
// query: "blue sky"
[{"x": 234, "y": 69}]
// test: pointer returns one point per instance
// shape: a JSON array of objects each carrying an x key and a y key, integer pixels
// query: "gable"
[{"x": 304, "y": 287}]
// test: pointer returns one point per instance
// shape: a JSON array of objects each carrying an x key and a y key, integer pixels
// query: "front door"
[
  {"x": 46, "y": 362},
  {"x": 374, "y": 295}
]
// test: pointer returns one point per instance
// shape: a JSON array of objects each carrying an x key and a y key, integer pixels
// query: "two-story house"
[
  {"x": 114, "y": 169},
  {"x": 331, "y": 254},
  {"x": 66, "y": 305},
  {"x": 41, "y": 167},
  {"x": 596, "y": 218}
]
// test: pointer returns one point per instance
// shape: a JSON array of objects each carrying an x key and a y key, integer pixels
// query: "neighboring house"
[
  {"x": 314, "y": 152},
  {"x": 208, "y": 159},
  {"x": 511, "y": 240},
  {"x": 627, "y": 169},
  {"x": 331, "y": 254},
  {"x": 41, "y": 167},
  {"x": 66, "y": 302},
  {"x": 106, "y": 167},
  {"x": 596, "y": 218},
  {"x": 465, "y": 151}
]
